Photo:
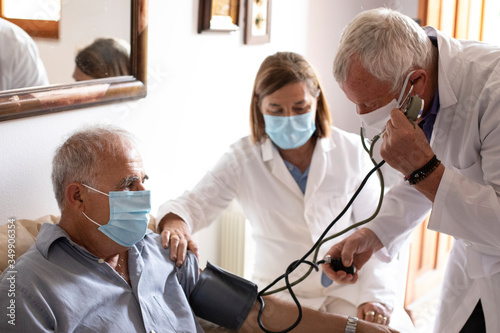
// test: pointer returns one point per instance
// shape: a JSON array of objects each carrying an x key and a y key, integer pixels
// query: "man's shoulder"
[
  {"x": 154, "y": 254},
  {"x": 23, "y": 269},
  {"x": 153, "y": 241}
]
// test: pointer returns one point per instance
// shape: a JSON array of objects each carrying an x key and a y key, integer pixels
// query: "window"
[
  {"x": 463, "y": 19},
  {"x": 39, "y": 18}
]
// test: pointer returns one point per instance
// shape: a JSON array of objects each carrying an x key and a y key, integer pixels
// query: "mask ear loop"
[
  {"x": 93, "y": 189},
  {"x": 406, "y": 100},
  {"x": 404, "y": 87},
  {"x": 91, "y": 220}
]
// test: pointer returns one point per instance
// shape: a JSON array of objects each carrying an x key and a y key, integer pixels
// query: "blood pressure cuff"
[{"x": 222, "y": 297}]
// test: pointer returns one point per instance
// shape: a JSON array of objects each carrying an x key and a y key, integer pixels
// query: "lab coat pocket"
[{"x": 473, "y": 172}]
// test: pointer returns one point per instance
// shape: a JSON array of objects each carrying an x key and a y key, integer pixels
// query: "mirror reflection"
[
  {"x": 20, "y": 66},
  {"x": 82, "y": 22},
  {"x": 105, "y": 57}
]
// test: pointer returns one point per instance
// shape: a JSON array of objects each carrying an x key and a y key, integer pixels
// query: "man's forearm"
[{"x": 279, "y": 315}]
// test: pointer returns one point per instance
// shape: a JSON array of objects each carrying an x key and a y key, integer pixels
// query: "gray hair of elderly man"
[
  {"x": 388, "y": 44},
  {"x": 77, "y": 159}
]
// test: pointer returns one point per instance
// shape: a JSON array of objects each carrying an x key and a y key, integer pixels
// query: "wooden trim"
[
  {"x": 481, "y": 29},
  {"x": 429, "y": 251},
  {"x": 422, "y": 12},
  {"x": 34, "y": 28},
  {"x": 37, "y": 28}
]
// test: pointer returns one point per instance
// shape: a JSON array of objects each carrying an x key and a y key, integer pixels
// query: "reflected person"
[
  {"x": 105, "y": 57},
  {"x": 20, "y": 63}
]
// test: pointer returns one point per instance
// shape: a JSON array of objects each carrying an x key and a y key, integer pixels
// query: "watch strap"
[{"x": 352, "y": 324}]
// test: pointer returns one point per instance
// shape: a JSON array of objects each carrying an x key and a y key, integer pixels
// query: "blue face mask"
[
  {"x": 128, "y": 216},
  {"x": 290, "y": 132}
]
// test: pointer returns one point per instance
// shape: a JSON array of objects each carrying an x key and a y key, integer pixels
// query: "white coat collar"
[
  {"x": 447, "y": 97},
  {"x": 267, "y": 150},
  {"x": 267, "y": 147},
  {"x": 449, "y": 48},
  {"x": 317, "y": 170}
]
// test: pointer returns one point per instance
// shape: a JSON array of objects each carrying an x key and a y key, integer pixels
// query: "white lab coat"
[
  {"x": 466, "y": 138},
  {"x": 286, "y": 222},
  {"x": 20, "y": 64}
]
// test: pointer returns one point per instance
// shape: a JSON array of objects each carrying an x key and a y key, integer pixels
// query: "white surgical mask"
[{"x": 377, "y": 119}]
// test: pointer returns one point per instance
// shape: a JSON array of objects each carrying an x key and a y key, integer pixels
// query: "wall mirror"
[{"x": 64, "y": 94}]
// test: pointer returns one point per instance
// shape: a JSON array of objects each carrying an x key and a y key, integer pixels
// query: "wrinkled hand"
[
  {"x": 357, "y": 249},
  {"x": 374, "y": 312},
  {"x": 404, "y": 146},
  {"x": 176, "y": 235}
]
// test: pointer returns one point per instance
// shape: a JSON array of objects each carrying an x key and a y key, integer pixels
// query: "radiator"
[{"x": 236, "y": 244}]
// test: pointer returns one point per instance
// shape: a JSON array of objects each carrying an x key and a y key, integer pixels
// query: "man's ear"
[
  {"x": 74, "y": 196},
  {"x": 419, "y": 79}
]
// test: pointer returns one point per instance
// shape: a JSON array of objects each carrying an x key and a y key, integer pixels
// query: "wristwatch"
[{"x": 352, "y": 324}]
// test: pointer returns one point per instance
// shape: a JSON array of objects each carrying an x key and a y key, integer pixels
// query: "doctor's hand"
[
  {"x": 357, "y": 249},
  {"x": 175, "y": 234},
  {"x": 404, "y": 147},
  {"x": 374, "y": 312}
]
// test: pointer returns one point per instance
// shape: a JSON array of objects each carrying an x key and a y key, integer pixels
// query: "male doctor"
[{"x": 450, "y": 160}]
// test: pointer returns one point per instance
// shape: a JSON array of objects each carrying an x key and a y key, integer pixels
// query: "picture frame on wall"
[
  {"x": 258, "y": 22},
  {"x": 218, "y": 15}
]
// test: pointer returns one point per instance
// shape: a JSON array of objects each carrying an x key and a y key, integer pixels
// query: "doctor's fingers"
[
  {"x": 336, "y": 250},
  {"x": 398, "y": 120},
  {"x": 174, "y": 241},
  {"x": 405, "y": 149},
  {"x": 358, "y": 248},
  {"x": 193, "y": 247},
  {"x": 339, "y": 276},
  {"x": 374, "y": 312},
  {"x": 178, "y": 249}
]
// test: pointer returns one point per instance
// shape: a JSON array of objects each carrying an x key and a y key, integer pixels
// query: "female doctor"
[{"x": 292, "y": 177}]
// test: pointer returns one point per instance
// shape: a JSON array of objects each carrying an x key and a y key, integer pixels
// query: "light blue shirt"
[
  {"x": 60, "y": 286},
  {"x": 300, "y": 178}
]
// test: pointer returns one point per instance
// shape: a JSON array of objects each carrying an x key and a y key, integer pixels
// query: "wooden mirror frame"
[{"x": 27, "y": 102}]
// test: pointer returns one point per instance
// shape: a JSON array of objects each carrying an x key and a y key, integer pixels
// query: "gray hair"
[
  {"x": 77, "y": 159},
  {"x": 388, "y": 44}
]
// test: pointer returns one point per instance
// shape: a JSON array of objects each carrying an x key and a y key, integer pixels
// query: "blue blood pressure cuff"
[{"x": 222, "y": 297}]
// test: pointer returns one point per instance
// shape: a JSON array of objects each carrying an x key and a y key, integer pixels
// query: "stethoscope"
[
  {"x": 413, "y": 111},
  {"x": 314, "y": 264}
]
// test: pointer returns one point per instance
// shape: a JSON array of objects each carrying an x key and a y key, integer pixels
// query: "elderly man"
[
  {"x": 101, "y": 270},
  {"x": 449, "y": 160}
]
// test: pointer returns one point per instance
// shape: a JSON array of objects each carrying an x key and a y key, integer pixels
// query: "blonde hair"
[{"x": 275, "y": 72}]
